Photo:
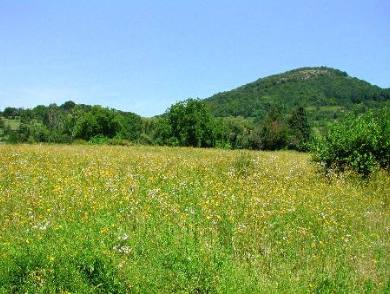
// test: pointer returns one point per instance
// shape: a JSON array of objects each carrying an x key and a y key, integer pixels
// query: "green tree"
[
  {"x": 11, "y": 112},
  {"x": 129, "y": 125},
  {"x": 86, "y": 127},
  {"x": 98, "y": 121},
  {"x": 68, "y": 105},
  {"x": 299, "y": 129},
  {"x": 161, "y": 132},
  {"x": 272, "y": 133},
  {"x": 38, "y": 132},
  {"x": 191, "y": 123}
]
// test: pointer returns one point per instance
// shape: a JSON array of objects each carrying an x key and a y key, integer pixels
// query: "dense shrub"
[{"x": 359, "y": 143}]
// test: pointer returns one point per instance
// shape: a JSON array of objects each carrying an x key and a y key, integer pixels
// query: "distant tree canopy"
[
  {"x": 68, "y": 105},
  {"x": 63, "y": 124},
  {"x": 10, "y": 112},
  {"x": 186, "y": 123}
]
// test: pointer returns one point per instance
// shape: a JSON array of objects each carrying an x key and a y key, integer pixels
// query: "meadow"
[{"x": 112, "y": 219}]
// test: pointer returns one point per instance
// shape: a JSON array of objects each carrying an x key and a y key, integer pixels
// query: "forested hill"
[{"x": 320, "y": 90}]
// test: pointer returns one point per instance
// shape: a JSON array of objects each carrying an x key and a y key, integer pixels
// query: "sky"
[{"x": 142, "y": 56}]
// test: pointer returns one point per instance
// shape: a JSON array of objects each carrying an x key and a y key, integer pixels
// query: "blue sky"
[{"x": 142, "y": 56}]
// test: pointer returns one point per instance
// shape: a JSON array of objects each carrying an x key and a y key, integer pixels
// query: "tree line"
[{"x": 186, "y": 123}]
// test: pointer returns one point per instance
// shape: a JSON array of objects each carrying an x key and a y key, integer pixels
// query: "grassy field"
[{"x": 89, "y": 219}]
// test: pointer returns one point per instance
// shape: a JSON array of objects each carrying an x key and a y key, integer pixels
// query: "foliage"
[
  {"x": 187, "y": 123},
  {"x": 97, "y": 122},
  {"x": 272, "y": 133},
  {"x": 130, "y": 126},
  {"x": 191, "y": 124},
  {"x": 11, "y": 112},
  {"x": 237, "y": 132},
  {"x": 360, "y": 143},
  {"x": 142, "y": 219},
  {"x": 300, "y": 130},
  {"x": 161, "y": 131},
  {"x": 69, "y": 122}
]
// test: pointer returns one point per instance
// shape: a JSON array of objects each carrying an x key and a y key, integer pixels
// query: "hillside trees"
[{"x": 323, "y": 91}]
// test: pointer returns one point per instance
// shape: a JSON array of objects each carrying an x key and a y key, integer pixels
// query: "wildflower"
[
  {"x": 123, "y": 237},
  {"x": 104, "y": 230},
  {"x": 41, "y": 226},
  {"x": 123, "y": 249}
]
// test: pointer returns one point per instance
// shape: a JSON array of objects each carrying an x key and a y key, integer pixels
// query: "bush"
[{"x": 359, "y": 143}]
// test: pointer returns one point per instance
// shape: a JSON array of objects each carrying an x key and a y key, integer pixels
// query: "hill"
[{"x": 324, "y": 92}]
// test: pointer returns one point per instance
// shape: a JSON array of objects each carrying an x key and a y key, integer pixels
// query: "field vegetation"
[{"x": 88, "y": 219}]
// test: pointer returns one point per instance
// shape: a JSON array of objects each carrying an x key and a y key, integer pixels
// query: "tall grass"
[{"x": 89, "y": 219}]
